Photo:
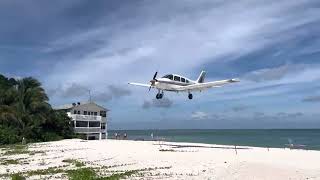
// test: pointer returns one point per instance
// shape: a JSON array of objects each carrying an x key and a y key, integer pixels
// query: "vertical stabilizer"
[{"x": 201, "y": 77}]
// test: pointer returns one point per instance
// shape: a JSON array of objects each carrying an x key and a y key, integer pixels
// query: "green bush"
[{"x": 8, "y": 136}]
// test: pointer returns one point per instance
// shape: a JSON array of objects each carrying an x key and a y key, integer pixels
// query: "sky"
[{"x": 75, "y": 46}]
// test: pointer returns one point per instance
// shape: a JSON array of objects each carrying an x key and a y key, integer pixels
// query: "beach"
[{"x": 158, "y": 160}]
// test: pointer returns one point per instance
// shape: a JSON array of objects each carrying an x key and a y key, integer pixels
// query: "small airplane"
[{"x": 177, "y": 83}]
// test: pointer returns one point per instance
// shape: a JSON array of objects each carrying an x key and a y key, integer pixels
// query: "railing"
[
  {"x": 88, "y": 130},
  {"x": 79, "y": 117}
]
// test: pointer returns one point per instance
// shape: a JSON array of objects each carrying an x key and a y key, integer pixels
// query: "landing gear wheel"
[
  {"x": 159, "y": 96},
  {"x": 190, "y": 96}
]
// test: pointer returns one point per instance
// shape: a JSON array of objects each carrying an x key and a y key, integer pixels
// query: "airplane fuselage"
[{"x": 171, "y": 85}]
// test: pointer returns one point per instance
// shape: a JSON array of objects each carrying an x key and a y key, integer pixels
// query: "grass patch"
[
  {"x": 10, "y": 161},
  {"x": 120, "y": 175},
  {"x": 31, "y": 153},
  {"x": 82, "y": 174},
  {"x": 75, "y": 162},
  {"x": 90, "y": 174},
  {"x": 51, "y": 170},
  {"x": 15, "y": 149},
  {"x": 17, "y": 177}
]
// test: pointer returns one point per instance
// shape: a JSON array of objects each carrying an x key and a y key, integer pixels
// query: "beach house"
[{"x": 88, "y": 118}]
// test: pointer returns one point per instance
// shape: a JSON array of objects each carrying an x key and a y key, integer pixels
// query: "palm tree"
[
  {"x": 26, "y": 105},
  {"x": 31, "y": 106},
  {"x": 26, "y": 114}
]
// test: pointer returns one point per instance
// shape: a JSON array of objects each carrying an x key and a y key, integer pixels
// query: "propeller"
[{"x": 153, "y": 81}]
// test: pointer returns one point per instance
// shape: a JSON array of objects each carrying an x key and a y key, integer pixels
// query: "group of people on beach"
[{"x": 118, "y": 136}]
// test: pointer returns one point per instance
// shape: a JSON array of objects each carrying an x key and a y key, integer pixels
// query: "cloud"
[
  {"x": 312, "y": 99},
  {"x": 258, "y": 115},
  {"x": 278, "y": 116},
  {"x": 74, "y": 90},
  {"x": 117, "y": 91},
  {"x": 199, "y": 115},
  {"x": 80, "y": 91},
  {"x": 240, "y": 108},
  {"x": 157, "y": 103},
  {"x": 276, "y": 73},
  {"x": 283, "y": 115}
]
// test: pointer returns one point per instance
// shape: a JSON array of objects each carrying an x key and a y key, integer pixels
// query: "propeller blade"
[
  {"x": 155, "y": 75},
  {"x": 149, "y": 88}
]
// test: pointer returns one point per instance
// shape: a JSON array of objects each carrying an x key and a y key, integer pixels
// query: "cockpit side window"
[
  {"x": 176, "y": 78},
  {"x": 169, "y": 76},
  {"x": 183, "y": 80},
  {"x": 187, "y": 81}
]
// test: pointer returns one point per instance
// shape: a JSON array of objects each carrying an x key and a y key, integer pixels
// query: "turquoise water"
[{"x": 259, "y": 138}]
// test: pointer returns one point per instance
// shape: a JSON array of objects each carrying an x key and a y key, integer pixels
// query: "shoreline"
[{"x": 160, "y": 160}]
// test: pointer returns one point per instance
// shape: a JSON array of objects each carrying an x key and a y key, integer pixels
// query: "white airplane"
[{"x": 177, "y": 83}]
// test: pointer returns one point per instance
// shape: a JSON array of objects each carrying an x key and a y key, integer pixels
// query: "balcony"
[
  {"x": 79, "y": 117},
  {"x": 88, "y": 130}
]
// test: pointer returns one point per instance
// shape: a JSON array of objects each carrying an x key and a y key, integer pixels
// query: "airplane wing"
[
  {"x": 207, "y": 85},
  {"x": 139, "y": 84}
]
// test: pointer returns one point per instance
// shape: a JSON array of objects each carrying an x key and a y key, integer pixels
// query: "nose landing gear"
[{"x": 190, "y": 96}]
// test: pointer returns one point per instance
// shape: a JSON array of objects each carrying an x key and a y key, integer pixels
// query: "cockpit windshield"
[{"x": 169, "y": 76}]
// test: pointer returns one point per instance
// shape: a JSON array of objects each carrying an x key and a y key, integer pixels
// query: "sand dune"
[{"x": 163, "y": 160}]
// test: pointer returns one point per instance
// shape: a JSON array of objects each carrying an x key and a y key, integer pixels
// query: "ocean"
[{"x": 277, "y": 138}]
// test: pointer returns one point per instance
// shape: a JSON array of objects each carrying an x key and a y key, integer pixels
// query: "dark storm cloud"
[{"x": 157, "y": 103}]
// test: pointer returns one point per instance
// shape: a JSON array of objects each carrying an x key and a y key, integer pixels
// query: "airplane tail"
[{"x": 201, "y": 77}]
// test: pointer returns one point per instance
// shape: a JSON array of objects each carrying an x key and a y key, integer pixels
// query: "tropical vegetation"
[{"x": 26, "y": 115}]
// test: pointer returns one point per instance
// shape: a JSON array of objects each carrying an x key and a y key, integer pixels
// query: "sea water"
[{"x": 277, "y": 138}]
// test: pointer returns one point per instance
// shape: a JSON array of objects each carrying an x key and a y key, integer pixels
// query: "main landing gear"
[
  {"x": 159, "y": 95},
  {"x": 190, "y": 96}
]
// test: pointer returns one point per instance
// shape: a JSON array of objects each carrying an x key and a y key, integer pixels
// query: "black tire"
[
  {"x": 157, "y": 96},
  {"x": 160, "y": 96},
  {"x": 190, "y": 96}
]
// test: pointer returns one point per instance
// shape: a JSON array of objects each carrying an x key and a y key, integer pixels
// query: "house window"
[
  {"x": 94, "y": 124},
  {"x": 177, "y": 78},
  {"x": 74, "y": 112},
  {"x": 103, "y": 113},
  {"x": 103, "y": 126},
  {"x": 95, "y": 113},
  {"x": 85, "y": 112},
  {"x": 79, "y": 112},
  {"x": 81, "y": 123}
]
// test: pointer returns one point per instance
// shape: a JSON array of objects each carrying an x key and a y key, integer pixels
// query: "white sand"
[{"x": 206, "y": 162}]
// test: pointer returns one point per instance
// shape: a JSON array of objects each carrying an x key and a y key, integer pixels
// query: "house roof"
[{"x": 70, "y": 106}]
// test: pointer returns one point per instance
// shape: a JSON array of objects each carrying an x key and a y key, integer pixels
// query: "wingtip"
[{"x": 235, "y": 80}]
